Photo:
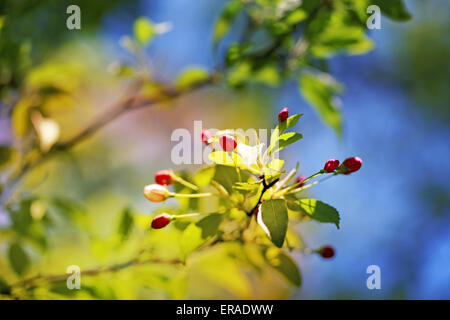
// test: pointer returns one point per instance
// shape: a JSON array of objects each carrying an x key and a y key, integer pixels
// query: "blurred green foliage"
[{"x": 41, "y": 83}]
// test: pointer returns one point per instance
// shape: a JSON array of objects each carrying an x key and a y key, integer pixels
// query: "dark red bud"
[
  {"x": 326, "y": 252},
  {"x": 351, "y": 165},
  {"x": 228, "y": 143},
  {"x": 160, "y": 221},
  {"x": 331, "y": 165},
  {"x": 283, "y": 115},
  {"x": 163, "y": 177}
]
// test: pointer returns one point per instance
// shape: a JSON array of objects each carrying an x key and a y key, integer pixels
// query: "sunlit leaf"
[
  {"x": 285, "y": 140},
  {"x": 143, "y": 30},
  {"x": 197, "y": 233},
  {"x": 226, "y": 159},
  {"x": 319, "y": 211},
  {"x": 276, "y": 164},
  {"x": 191, "y": 77},
  {"x": 204, "y": 176}
]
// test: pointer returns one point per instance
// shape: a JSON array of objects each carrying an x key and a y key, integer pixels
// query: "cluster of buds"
[
  {"x": 349, "y": 165},
  {"x": 158, "y": 192}
]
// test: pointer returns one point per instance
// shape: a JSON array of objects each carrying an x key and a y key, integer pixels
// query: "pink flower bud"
[
  {"x": 155, "y": 193},
  {"x": 331, "y": 165},
  {"x": 160, "y": 221},
  {"x": 206, "y": 136},
  {"x": 163, "y": 177},
  {"x": 228, "y": 143},
  {"x": 283, "y": 115},
  {"x": 299, "y": 180}
]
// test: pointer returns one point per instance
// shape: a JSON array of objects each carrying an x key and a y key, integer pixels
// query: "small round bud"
[
  {"x": 351, "y": 165},
  {"x": 228, "y": 143},
  {"x": 283, "y": 115},
  {"x": 155, "y": 193},
  {"x": 163, "y": 177},
  {"x": 331, "y": 165},
  {"x": 326, "y": 252},
  {"x": 299, "y": 180},
  {"x": 160, "y": 221},
  {"x": 206, "y": 136}
]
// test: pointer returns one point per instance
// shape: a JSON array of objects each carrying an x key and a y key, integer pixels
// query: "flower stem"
[
  {"x": 187, "y": 215},
  {"x": 184, "y": 182},
  {"x": 192, "y": 195},
  {"x": 308, "y": 185}
]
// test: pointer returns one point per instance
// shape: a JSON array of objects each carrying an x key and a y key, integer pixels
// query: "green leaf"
[
  {"x": 289, "y": 123},
  {"x": 394, "y": 9},
  {"x": 283, "y": 263},
  {"x": 18, "y": 258},
  {"x": 273, "y": 218},
  {"x": 226, "y": 19},
  {"x": 191, "y": 77},
  {"x": 319, "y": 91},
  {"x": 210, "y": 225},
  {"x": 319, "y": 211},
  {"x": 281, "y": 128},
  {"x": 191, "y": 239},
  {"x": 224, "y": 158},
  {"x": 21, "y": 217},
  {"x": 5, "y": 154},
  {"x": 227, "y": 177},
  {"x": 285, "y": 140},
  {"x": 126, "y": 223},
  {"x": 196, "y": 234},
  {"x": 204, "y": 176},
  {"x": 276, "y": 164},
  {"x": 144, "y": 30}
]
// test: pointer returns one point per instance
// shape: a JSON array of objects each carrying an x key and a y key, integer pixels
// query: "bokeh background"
[{"x": 395, "y": 211}]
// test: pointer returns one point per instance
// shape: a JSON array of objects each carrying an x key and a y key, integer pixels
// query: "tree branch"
[
  {"x": 132, "y": 102},
  {"x": 34, "y": 281}
]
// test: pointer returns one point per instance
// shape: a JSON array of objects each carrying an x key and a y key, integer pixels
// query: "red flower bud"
[
  {"x": 160, "y": 221},
  {"x": 326, "y": 252},
  {"x": 299, "y": 180},
  {"x": 206, "y": 136},
  {"x": 228, "y": 143},
  {"x": 163, "y": 177},
  {"x": 155, "y": 193},
  {"x": 351, "y": 165},
  {"x": 331, "y": 165},
  {"x": 283, "y": 115}
]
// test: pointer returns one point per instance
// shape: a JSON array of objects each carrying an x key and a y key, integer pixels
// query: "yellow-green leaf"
[{"x": 144, "y": 30}]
